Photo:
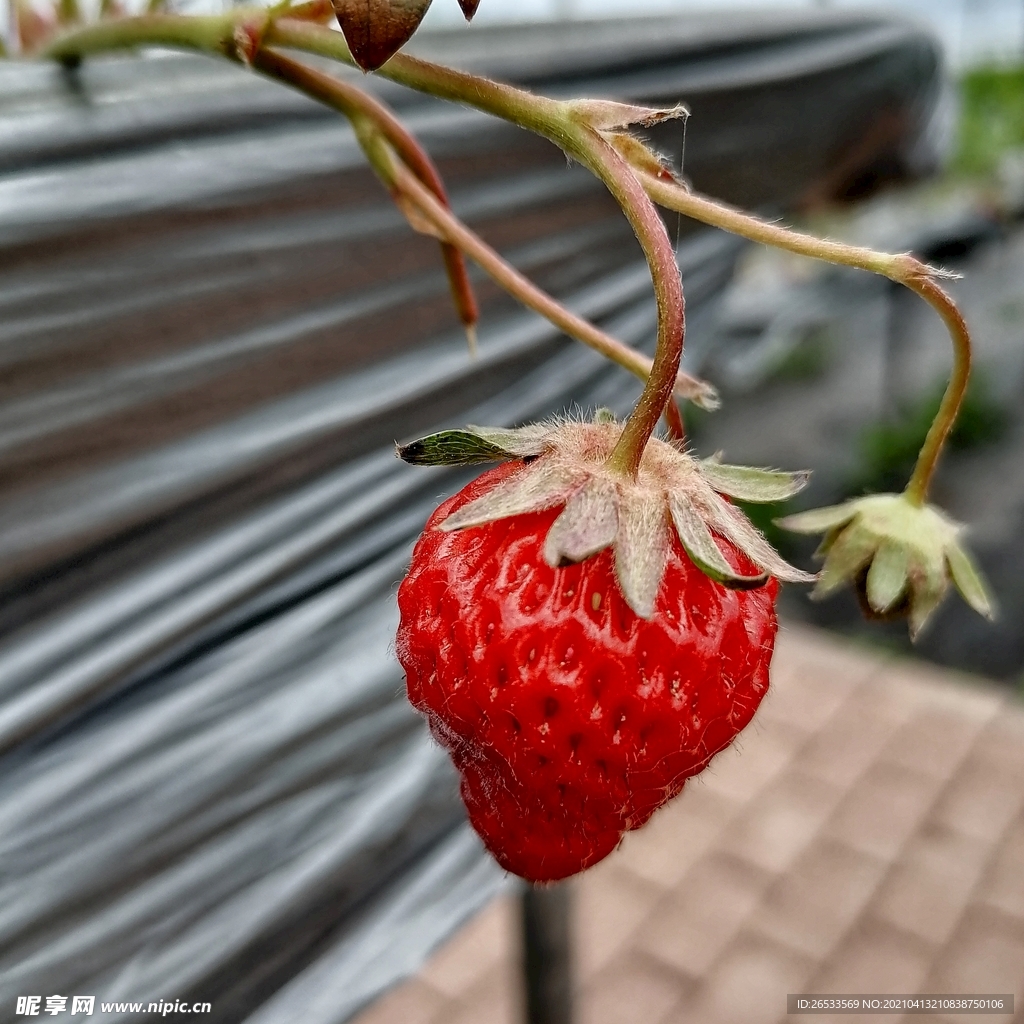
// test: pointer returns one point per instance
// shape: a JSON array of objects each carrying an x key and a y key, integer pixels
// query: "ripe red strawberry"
[{"x": 570, "y": 716}]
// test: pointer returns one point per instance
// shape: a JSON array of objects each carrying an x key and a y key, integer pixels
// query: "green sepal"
[
  {"x": 887, "y": 577},
  {"x": 471, "y": 445},
  {"x": 853, "y": 549},
  {"x": 700, "y": 545},
  {"x": 746, "y": 483},
  {"x": 969, "y": 581},
  {"x": 818, "y": 520},
  {"x": 899, "y": 556}
]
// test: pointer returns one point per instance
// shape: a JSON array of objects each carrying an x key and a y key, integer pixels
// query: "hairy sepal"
[
  {"x": 761, "y": 486},
  {"x": 534, "y": 489},
  {"x": 900, "y": 557},
  {"x": 612, "y": 116},
  {"x": 589, "y": 524},
  {"x": 566, "y": 463},
  {"x": 641, "y": 548},
  {"x": 472, "y": 445},
  {"x": 700, "y": 545}
]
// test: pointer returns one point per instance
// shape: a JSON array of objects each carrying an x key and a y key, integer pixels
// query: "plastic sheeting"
[{"x": 214, "y": 327}]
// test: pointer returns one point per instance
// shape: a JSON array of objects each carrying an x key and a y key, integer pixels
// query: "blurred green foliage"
[
  {"x": 991, "y": 117},
  {"x": 809, "y": 359},
  {"x": 887, "y": 450}
]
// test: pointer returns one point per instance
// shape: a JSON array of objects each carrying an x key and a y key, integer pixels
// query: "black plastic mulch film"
[{"x": 214, "y": 327}]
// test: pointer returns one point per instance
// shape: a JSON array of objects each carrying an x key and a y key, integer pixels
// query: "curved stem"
[
  {"x": 605, "y": 161},
  {"x": 903, "y": 268},
  {"x": 356, "y": 104},
  {"x": 949, "y": 408},
  {"x": 555, "y": 121},
  {"x": 351, "y": 102},
  {"x": 522, "y": 288},
  {"x": 536, "y": 113},
  {"x": 550, "y": 118}
]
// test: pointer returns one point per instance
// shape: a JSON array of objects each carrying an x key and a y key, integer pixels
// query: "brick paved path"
[{"x": 866, "y": 835}]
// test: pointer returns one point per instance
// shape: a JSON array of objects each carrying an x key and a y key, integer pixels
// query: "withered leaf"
[
  {"x": 376, "y": 30},
  {"x": 469, "y": 8}
]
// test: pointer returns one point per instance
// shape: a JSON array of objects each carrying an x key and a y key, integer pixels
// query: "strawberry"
[
  {"x": 570, "y": 718},
  {"x": 571, "y": 710}
]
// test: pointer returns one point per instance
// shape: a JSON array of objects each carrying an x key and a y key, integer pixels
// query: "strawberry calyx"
[
  {"x": 565, "y": 463},
  {"x": 899, "y": 556}
]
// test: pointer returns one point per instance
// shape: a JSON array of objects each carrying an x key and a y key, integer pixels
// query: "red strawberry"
[{"x": 570, "y": 716}]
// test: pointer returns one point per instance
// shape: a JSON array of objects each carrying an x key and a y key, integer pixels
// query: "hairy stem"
[
  {"x": 902, "y": 268},
  {"x": 505, "y": 275},
  {"x": 555, "y": 121},
  {"x": 624, "y": 185},
  {"x": 550, "y": 118},
  {"x": 560, "y": 123},
  {"x": 952, "y": 400},
  {"x": 538, "y": 114},
  {"x": 351, "y": 102},
  {"x": 357, "y": 104}
]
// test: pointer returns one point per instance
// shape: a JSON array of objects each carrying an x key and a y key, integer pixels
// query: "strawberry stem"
[
  {"x": 353, "y": 102},
  {"x": 402, "y": 181},
  {"x": 902, "y": 268},
  {"x": 566, "y": 125},
  {"x": 949, "y": 408},
  {"x": 504, "y": 274},
  {"x": 622, "y": 182}
]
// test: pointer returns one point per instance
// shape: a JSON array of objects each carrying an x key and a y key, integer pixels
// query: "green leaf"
[
  {"x": 700, "y": 545},
  {"x": 969, "y": 581},
  {"x": 472, "y": 445},
  {"x": 749, "y": 484}
]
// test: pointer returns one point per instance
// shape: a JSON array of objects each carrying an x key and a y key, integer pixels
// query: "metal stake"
[{"x": 547, "y": 954}]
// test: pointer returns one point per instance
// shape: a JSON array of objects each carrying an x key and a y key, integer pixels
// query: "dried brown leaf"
[{"x": 376, "y": 30}]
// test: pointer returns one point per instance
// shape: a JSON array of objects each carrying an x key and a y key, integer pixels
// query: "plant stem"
[
  {"x": 538, "y": 114},
  {"x": 554, "y": 120},
  {"x": 352, "y": 102},
  {"x": 214, "y": 34},
  {"x": 505, "y": 275},
  {"x": 903, "y": 268},
  {"x": 559, "y": 123},
  {"x": 355, "y": 104},
  {"x": 949, "y": 408},
  {"x": 650, "y": 229}
]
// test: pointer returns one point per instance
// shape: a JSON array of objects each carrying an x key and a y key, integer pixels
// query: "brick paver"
[{"x": 866, "y": 834}]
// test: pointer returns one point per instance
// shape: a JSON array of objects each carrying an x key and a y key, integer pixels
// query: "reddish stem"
[
  {"x": 622, "y": 182},
  {"x": 336, "y": 93}
]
